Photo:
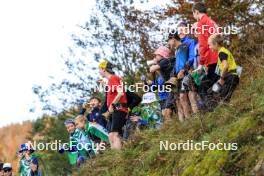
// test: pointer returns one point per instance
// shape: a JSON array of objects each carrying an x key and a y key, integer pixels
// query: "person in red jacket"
[
  {"x": 205, "y": 28},
  {"x": 116, "y": 103}
]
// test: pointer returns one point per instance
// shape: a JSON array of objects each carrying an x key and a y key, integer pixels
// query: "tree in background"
[
  {"x": 115, "y": 31},
  {"x": 246, "y": 15}
]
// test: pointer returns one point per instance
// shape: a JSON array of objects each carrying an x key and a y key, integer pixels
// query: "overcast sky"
[{"x": 33, "y": 35}]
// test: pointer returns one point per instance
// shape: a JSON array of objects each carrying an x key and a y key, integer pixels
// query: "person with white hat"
[
  {"x": 149, "y": 114},
  {"x": 7, "y": 168}
]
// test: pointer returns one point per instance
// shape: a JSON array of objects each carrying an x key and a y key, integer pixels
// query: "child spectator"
[
  {"x": 91, "y": 128},
  {"x": 227, "y": 66},
  {"x": 95, "y": 114},
  {"x": 7, "y": 168},
  {"x": 80, "y": 147},
  {"x": 181, "y": 55},
  {"x": 149, "y": 113},
  {"x": 116, "y": 104},
  {"x": 164, "y": 67}
]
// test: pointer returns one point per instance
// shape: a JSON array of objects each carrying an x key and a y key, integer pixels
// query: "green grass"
[{"x": 241, "y": 122}]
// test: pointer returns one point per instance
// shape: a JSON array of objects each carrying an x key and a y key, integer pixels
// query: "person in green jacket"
[
  {"x": 149, "y": 114},
  {"x": 80, "y": 147},
  {"x": 91, "y": 128},
  {"x": 25, "y": 158}
]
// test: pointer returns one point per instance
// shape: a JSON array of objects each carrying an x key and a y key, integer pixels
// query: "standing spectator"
[
  {"x": 181, "y": 55},
  {"x": 187, "y": 40},
  {"x": 205, "y": 28},
  {"x": 116, "y": 104},
  {"x": 191, "y": 44},
  {"x": 164, "y": 67}
]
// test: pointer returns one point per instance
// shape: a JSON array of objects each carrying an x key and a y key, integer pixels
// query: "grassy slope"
[{"x": 241, "y": 121}]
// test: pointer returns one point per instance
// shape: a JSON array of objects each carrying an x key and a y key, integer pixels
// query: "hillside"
[
  {"x": 241, "y": 122},
  {"x": 11, "y": 137}
]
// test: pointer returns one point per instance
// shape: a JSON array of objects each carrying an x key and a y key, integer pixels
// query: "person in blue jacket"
[
  {"x": 191, "y": 44},
  {"x": 181, "y": 72},
  {"x": 187, "y": 40}
]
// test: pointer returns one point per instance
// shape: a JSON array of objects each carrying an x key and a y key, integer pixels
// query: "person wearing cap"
[
  {"x": 163, "y": 68},
  {"x": 116, "y": 101},
  {"x": 25, "y": 155},
  {"x": 149, "y": 114},
  {"x": 180, "y": 71},
  {"x": 7, "y": 168},
  {"x": 80, "y": 146}
]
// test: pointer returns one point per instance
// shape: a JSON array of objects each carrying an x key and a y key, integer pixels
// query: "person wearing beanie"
[{"x": 116, "y": 101}]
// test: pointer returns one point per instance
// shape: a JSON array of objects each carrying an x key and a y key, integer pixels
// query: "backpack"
[{"x": 133, "y": 99}]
